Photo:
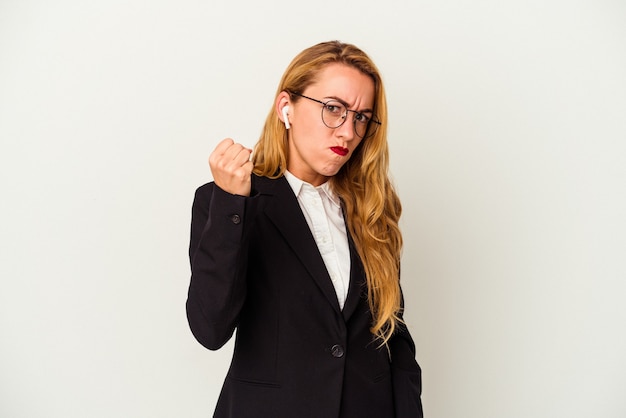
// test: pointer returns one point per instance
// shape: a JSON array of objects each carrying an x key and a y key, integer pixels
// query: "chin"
[{"x": 330, "y": 173}]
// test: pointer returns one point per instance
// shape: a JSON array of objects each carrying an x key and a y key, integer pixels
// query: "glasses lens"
[
  {"x": 333, "y": 114},
  {"x": 366, "y": 130}
]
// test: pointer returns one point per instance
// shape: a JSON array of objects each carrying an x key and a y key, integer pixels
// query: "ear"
[{"x": 283, "y": 100}]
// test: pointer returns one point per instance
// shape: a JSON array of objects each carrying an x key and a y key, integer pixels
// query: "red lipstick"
[{"x": 340, "y": 151}]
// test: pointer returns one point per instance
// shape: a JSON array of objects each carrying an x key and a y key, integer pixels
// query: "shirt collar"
[{"x": 296, "y": 185}]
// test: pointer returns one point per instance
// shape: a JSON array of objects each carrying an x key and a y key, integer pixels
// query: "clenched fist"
[{"x": 231, "y": 167}]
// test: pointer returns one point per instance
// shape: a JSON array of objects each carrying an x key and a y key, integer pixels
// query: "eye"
[
  {"x": 334, "y": 109},
  {"x": 361, "y": 118}
]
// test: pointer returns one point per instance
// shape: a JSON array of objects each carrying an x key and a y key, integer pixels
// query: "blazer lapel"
[
  {"x": 357, "y": 281},
  {"x": 284, "y": 211}
]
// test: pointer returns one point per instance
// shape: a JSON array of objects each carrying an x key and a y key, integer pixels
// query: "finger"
[
  {"x": 243, "y": 155},
  {"x": 223, "y": 146},
  {"x": 219, "y": 150},
  {"x": 228, "y": 152},
  {"x": 234, "y": 157},
  {"x": 248, "y": 167},
  {"x": 242, "y": 174}
]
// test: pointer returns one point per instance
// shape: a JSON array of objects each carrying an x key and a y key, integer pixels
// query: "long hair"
[{"x": 372, "y": 207}]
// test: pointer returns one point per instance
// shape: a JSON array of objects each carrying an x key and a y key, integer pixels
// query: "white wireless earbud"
[{"x": 285, "y": 117}]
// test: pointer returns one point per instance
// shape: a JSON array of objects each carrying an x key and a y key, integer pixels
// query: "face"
[{"x": 317, "y": 152}]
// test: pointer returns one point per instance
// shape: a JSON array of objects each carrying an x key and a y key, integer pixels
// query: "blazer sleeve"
[
  {"x": 218, "y": 254},
  {"x": 406, "y": 375}
]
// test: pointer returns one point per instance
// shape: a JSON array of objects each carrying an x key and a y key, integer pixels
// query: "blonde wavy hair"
[{"x": 372, "y": 207}]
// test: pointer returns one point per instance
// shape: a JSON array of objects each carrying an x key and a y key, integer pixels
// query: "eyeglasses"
[{"x": 335, "y": 113}]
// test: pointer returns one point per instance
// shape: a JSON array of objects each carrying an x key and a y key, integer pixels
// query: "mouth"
[{"x": 340, "y": 151}]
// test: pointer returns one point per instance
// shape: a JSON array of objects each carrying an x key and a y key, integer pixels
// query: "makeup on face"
[
  {"x": 340, "y": 151},
  {"x": 323, "y": 134}
]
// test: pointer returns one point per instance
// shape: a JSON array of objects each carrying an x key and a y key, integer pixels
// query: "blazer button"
[
  {"x": 337, "y": 351},
  {"x": 236, "y": 219}
]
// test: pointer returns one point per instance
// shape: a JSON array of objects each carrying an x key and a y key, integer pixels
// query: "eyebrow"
[{"x": 343, "y": 102}]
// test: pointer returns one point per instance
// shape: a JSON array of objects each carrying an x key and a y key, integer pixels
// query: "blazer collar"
[{"x": 284, "y": 211}]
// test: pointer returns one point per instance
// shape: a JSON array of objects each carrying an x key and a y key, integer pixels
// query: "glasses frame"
[{"x": 344, "y": 117}]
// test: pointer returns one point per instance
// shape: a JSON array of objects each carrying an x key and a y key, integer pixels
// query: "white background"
[{"x": 508, "y": 140}]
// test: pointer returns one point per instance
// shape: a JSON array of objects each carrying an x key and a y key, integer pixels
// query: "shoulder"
[
  {"x": 267, "y": 186},
  {"x": 265, "y": 182},
  {"x": 260, "y": 185}
]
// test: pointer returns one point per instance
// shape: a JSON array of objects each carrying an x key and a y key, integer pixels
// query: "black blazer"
[{"x": 256, "y": 268}]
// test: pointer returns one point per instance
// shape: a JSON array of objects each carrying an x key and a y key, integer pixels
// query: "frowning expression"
[{"x": 317, "y": 152}]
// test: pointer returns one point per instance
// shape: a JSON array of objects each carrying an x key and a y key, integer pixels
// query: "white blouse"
[{"x": 322, "y": 211}]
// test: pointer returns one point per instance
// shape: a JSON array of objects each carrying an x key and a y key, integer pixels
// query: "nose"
[{"x": 346, "y": 130}]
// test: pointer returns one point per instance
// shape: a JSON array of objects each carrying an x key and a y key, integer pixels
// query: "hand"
[{"x": 231, "y": 167}]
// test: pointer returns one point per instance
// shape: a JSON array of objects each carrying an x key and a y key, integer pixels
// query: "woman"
[{"x": 299, "y": 250}]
